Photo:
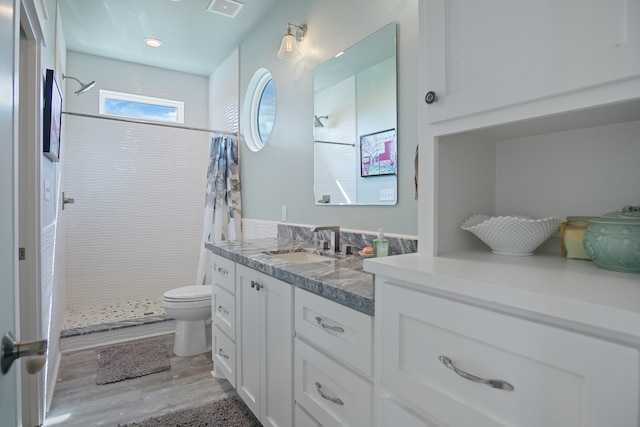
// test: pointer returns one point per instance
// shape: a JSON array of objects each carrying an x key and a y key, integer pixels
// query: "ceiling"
[{"x": 195, "y": 40}]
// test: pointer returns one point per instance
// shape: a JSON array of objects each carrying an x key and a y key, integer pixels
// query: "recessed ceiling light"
[{"x": 153, "y": 42}]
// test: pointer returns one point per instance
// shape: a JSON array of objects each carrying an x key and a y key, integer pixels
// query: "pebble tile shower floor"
[{"x": 78, "y": 317}]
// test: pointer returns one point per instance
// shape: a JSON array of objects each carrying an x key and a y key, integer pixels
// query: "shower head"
[
  {"x": 83, "y": 87},
  {"x": 317, "y": 123}
]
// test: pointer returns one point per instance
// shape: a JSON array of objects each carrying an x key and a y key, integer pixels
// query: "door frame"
[
  {"x": 29, "y": 191},
  {"x": 10, "y": 389}
]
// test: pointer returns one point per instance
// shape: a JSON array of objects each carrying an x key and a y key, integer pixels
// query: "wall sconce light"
[{"x": 289, "y": 47}]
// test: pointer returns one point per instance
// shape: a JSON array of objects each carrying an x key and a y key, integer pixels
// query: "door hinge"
[{"x": 22, "y": 254}]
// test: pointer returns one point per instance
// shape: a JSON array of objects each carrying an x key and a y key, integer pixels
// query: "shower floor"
[
  {"x": 96, "y": 325},
  {"x": 83, "y": 316}
]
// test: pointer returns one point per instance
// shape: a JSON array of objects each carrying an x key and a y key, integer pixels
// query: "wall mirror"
[{"x": 355, "y": 124}]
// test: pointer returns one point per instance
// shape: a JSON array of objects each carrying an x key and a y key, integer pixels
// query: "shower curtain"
[{"x": 222, "y": 212}]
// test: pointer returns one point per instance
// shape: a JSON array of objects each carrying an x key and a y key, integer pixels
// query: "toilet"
[{"x": 190, "y": 306}]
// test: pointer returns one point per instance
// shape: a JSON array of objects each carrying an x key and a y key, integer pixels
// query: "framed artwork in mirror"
[
  {"x": 52, "y": 119},
  {"x": 378, "y": 153}
]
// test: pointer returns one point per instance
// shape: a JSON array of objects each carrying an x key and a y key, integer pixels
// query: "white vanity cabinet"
[
  {"x": 223, "y": 316},
  {"x": 440, "y": 357},
  {"x": 333, "y": 363},
  {"x": 264, "y": 346},
  {"x": 479, "y": 56}
]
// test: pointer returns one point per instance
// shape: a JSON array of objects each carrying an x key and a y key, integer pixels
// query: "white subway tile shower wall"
[{"x": 135, "y": 229}]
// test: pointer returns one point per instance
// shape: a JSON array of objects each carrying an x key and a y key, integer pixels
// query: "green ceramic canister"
[{"x": 613, "y": 240}]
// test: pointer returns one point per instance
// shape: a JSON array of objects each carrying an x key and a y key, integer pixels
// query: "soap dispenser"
[{"x": 380, "y": 245}]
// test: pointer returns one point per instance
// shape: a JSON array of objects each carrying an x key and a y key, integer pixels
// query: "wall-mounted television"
[{"x": 52, "y": 118}]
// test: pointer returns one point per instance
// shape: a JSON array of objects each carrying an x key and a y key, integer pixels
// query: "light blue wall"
[{"x": 282, "y": 173}]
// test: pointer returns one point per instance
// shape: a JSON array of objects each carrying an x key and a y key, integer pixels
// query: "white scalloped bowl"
[{"x": 511, "y": 235}]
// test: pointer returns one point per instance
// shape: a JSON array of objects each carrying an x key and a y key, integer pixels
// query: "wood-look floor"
[{"x": 79, "y": 402}]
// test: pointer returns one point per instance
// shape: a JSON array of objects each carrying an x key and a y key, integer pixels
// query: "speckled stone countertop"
[{"x": 340, "y": 278}]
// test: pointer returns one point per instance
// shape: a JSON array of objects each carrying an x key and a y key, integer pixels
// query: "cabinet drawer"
[
  {"x": 224, "y": 273},
  {"x": 560, "y": 378},
  {"x": 303, "y": 419},
  {"x": 338, "y": 330},
  {"x": 223, "y": 307},
  {"x": 224, "y": 355},
  {"x": 320, "y": 381},
  {"x": 393, "y": 415}
]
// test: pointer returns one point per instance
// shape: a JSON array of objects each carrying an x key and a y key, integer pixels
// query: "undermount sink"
[{"x": 300, "y": 257}]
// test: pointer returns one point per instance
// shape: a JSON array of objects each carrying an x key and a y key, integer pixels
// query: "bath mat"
[
  {"x": 228, "y": 412},
  {"x": 131, "y": 360}
]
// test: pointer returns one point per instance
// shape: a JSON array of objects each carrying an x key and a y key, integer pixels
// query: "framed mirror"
[{"x": 355, "y": 124}]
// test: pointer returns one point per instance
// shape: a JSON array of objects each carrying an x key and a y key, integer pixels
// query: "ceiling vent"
[{"x": 228, "y": 8}]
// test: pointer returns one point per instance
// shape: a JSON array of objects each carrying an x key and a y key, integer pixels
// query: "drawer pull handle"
[
  {"x": 503, "y": 385},
  {"x": 325, "y": 326},
  {"x": 223, "y": 354},
  {"x": 325, "y": 396},
  {"x": 223, "y": 271},
  {"x": 221, "y": 309},
  {"x": 256, "y": 285}
]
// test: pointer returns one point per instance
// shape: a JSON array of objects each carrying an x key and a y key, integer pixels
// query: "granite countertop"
[{"x": 340, "y": 278}]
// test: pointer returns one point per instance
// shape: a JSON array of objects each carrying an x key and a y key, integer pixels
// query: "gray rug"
[
  {"x": 228, "y": 412},
  {"x": 131, "y": 360}
]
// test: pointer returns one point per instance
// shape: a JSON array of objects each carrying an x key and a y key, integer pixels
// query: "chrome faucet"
[{"x": 336, "y": 235}]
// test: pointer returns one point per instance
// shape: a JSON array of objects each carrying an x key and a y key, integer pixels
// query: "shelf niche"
[{"x": 572, "y": 164}]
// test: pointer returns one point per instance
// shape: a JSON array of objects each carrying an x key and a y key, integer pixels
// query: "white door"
[{"x": 9, "y": 37}]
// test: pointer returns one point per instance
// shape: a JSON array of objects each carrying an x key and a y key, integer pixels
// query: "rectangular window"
[{"x": 141, "y": 107}]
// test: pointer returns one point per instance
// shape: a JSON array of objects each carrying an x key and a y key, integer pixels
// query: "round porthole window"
[{"x": 259, "y": 110}]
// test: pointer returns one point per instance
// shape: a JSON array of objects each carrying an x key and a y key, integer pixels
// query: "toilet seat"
[{"x": 185, "y": 294}]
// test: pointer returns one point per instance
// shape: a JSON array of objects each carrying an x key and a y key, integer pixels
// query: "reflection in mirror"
[
  {"x": 266, "y": 111},
  {"x": 355, "y": 98}
]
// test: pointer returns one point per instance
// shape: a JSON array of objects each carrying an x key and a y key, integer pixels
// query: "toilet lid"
[{"x": 189, "y": 293}]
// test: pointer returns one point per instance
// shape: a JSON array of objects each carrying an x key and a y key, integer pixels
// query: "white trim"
[
  {"x": 32, "y": 324},
  {"x": 32, "y": 17},
  {"x": 130, "y": 97}
]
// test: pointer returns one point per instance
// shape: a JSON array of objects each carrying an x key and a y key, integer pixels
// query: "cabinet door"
[
  {"x": 264, "y": 346},
  {"x": 482, "y": 55},
  {"x": 248, "y": 354},
  {"x": 276, "y": 352}
]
